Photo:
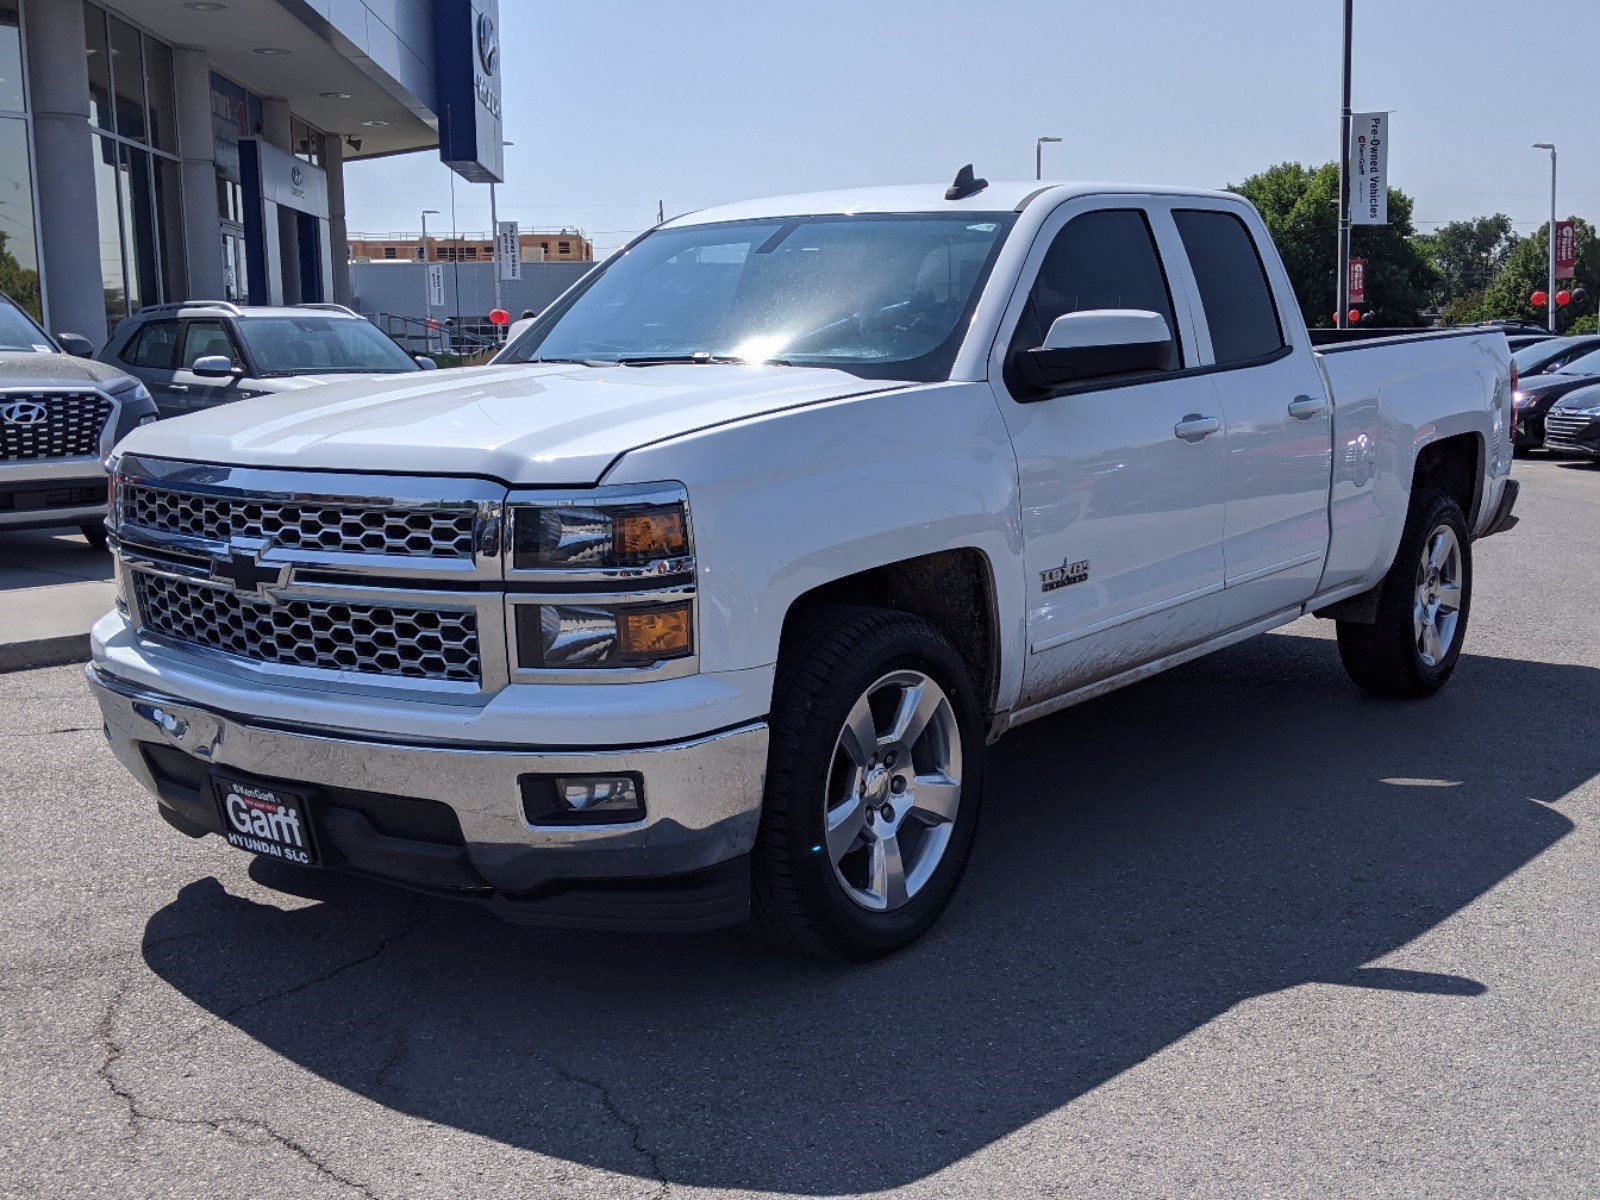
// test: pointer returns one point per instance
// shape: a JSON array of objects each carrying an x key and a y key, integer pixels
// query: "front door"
[
  {"x": 192, "y": 391},
  {"x": 1121, "y": 480}
]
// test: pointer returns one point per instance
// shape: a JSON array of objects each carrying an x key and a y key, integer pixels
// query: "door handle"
[
  {"x": 177, "y": 387},
  {"x": 1194, "y": 427},
  {"x": 1303, "y": 408}
]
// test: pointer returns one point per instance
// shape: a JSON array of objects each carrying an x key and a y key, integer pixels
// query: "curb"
[{"x": 44, "y": 652}]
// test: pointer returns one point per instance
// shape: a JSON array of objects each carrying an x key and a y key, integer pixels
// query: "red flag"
[
  {"x": 1566, "y": 249},
  {"x": 1358, "y": 281}
]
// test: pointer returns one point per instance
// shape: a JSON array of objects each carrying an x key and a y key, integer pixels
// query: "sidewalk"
[{"x": 53, "y": 587}]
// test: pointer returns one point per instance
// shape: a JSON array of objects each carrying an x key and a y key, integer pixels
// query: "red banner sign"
[
  {"x": 1358, "y": 281},
  {"x": 1566, "y": 249}
]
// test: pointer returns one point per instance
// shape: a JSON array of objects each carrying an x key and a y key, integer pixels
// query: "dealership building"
[{"x": 153, "y": 151}]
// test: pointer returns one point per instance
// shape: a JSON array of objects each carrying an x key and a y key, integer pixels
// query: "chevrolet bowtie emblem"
[{"x": 247, "y": 575}]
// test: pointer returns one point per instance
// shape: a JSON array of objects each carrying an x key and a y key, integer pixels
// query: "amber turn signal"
[
  {"x": 651, "y": 533},
  {"x": 655, "y": 632}
]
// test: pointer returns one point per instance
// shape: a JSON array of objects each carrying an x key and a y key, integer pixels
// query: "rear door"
[
  {"x": 1122, "y": 503},
  {"x": 1279, "y": 422},
  {"x": 151, "y": 356}
]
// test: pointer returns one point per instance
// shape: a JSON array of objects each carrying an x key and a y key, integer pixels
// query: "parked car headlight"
[
  {"x": 598, "y": 538},
  {"x": 1519, "y": 398},
  {"x": 578, "y": 636}
]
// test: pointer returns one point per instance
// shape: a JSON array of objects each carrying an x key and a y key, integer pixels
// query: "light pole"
[
  {"x": 1550, "y": 293},
  {"x": 1038, "y": 155},
  {"x": 427, "y": 284},
  {"x": 1341, "y": 289},
  {"x": 494, "y": 239}
]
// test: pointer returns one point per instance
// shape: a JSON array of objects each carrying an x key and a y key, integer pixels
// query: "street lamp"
[
  {"x": 427, "y": 284},
  {"x": 1038, "y": 155},
  {"x": 1550, "y": 292}
]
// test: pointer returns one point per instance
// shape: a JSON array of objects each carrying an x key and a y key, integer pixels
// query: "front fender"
[{"x": 787, "y": 502}]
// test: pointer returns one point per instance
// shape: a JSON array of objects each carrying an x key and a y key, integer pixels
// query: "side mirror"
[
  {"x": 426, "y": 363},
  {"x": 1097, "y": 344},
  {"x": 213, "y": 365},
  {"x": 76, "y": 345}
]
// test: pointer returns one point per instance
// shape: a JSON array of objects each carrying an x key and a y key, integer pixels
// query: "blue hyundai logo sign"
[
  {"x": 488, "y": 45},
  {"x": 297, "y": 177}
]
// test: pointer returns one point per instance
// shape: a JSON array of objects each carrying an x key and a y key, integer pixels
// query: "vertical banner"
[
  {"x": 436, "y": 284},
  {"x": 510, "y": 250},
  {"x": 1566, "y": 250},
  {"x": 1369, "y": 168},
  {"x": 1358, "y": 281}
]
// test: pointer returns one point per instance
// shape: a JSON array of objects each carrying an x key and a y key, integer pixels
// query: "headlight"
[
  {"x": 599, "y": 538},
  {"x": 569, "y": 636},
  {"x": 1519, "y": 398}
]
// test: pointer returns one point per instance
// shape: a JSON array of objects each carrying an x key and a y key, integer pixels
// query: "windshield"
[
  {"x": 18, "y": 332},
  {"x": 1589, "y": 364},
  {"x": 1530, "y": 358},
  {"x": 313, "y": 345},
  {"x": 884, "y": 296}
]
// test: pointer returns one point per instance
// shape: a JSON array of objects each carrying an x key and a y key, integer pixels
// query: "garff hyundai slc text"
[{"x": 709, "y": 592}]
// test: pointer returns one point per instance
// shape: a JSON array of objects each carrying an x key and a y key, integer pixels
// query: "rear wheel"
[
  {"x": 872, "y": 785},
  {"x": 1415, "y": 642}
]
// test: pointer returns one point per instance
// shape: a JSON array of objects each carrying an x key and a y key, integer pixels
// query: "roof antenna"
[{"x": 965, "y": 185}]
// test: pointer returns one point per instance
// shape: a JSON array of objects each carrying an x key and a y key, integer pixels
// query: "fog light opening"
[{"x": 602, "y": 799}]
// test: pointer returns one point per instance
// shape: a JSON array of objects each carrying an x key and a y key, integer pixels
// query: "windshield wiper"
[
  {"x": 700, "y": 356},
  {"x": 577, "y": 362}
]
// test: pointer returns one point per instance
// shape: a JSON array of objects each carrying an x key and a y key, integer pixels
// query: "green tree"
[
  {"x": 1467, "y": 255},
  {"x": 1301, "y": 207},
  {"x": 17, "y": 281},
  {"x": 1527, "y": 270}
]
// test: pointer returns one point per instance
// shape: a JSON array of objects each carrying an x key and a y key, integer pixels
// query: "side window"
[
  {"x": 208, "y": 337},
  {"x": 156, "y": 346},
  {"x": 1105, "y": 259},
  {"x": 1233, "y": 285}
]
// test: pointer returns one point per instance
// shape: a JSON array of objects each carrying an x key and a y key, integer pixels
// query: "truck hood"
[{"x": 523, "y": 424}]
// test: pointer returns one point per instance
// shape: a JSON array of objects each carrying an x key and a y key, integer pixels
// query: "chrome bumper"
[
  {"x": 44, "y": 475},
  {"x": 702, "y": 796}
]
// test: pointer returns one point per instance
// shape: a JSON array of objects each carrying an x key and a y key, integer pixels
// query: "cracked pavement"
[{"x": 1237, "y": 930}]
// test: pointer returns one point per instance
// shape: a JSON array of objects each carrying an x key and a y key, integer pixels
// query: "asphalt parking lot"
[{"x": 1235, "y": 930}]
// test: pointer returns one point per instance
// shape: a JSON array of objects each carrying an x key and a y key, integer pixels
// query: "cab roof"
[{"x": 1000, "y": 196}]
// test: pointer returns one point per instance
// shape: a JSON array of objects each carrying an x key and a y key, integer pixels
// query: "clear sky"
[{"x": 615, "y": 105}]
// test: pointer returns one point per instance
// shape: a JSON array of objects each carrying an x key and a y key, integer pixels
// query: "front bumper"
[
  {"x": 46, "y": 492},
  {"x": 448, "y": 818}
]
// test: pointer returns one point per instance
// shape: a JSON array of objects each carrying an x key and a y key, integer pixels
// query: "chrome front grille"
[
  {"x": 380, "y": 639},
  {"x": 432, "y": 532},
  {"x": 1562, "y": 430},
  {"x": 47, "y": 424}
]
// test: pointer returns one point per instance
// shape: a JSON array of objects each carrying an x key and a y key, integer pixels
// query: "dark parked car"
[
  {"x": 201, "y": 353},
  {"x": 1535, "y": 396},
  {"x": 1551, "y": 354},
  {"x": 60, "y": 414},
  {"x": 1573, "y": 423}
]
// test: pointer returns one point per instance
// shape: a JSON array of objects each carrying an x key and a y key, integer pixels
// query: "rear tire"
[
  {"x": 873, "y": 781},
  {"x": 1413, "y": 646}
]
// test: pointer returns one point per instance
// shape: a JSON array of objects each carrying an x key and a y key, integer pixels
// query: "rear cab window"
[
  {"x": 1235, "y": 294},
  {"x": 155, "y": 346}
]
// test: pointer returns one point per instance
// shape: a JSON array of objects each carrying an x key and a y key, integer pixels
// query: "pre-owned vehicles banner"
[
  {"x": 1566, "y": 249},
  {"x": 1369, "y": 168},
  {"x": 1358, "y": 281},
  {"x": 510, "y": 250}
]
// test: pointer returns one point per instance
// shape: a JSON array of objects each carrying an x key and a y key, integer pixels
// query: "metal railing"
[{"x": 421, "y": 336}]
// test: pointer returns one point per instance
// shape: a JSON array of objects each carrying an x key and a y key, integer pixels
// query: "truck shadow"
[{"x": 1242, "y": 825}]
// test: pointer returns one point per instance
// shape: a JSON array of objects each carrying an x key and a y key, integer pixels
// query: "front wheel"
[
  {"x": 873, "y": 784},
  {"x": 95, "y": 534},
  {"x": 1415, "y": 642}
]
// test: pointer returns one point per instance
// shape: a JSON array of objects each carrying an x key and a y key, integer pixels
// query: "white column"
[
  {"x": 69, "y": 247},
  {"x": 338, "y": 228},
  {"x": 202, "y": 223}
]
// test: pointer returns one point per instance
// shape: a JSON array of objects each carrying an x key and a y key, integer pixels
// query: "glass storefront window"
[
  {"x": 11, "y": 98},
  {"x": 158, "y": 86},
  {"x": 127, "y": 80},
  {"x": 108, "y": 221},
  {"x": 19, "y": 256},
  {"x": 169, "y": 215},
  {"x": 99, "y": 52},
  {"x": 138, "y": 228}
]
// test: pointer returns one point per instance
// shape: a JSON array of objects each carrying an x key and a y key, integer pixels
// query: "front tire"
[
  {"x": 873, "y": 782},
  {"x": 95, "y": 534},
  {"x": 1413, "y": 646}
]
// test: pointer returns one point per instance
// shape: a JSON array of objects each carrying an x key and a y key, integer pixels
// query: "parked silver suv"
[
  {"x": 60, "y": 414},
  {"x": 201, "y": 353}
]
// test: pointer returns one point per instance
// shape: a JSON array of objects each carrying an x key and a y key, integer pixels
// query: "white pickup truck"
[{"x": 706, "y": 596}]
